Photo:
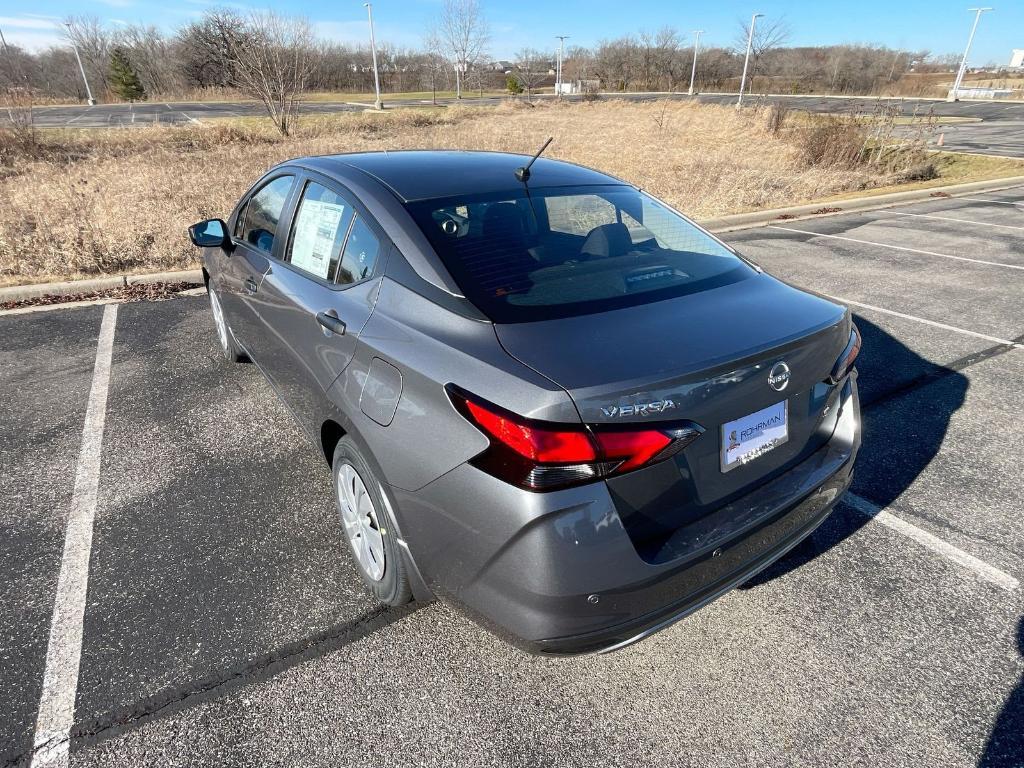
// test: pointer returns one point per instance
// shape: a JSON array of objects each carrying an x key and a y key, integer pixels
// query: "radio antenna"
[{"x": 523, "y": 174}]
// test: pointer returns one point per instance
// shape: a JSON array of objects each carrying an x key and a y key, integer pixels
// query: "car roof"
[{"x": 427, "y": 174}]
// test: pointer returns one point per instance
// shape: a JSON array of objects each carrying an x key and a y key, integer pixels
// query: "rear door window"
[
  {"x": 360, "y": 255},
  {"x": 263, "y": 213},
  {"x": 321, "y": 223}
]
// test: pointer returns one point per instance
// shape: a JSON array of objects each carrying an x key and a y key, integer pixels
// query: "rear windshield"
[{"x": 571, "y": 251}]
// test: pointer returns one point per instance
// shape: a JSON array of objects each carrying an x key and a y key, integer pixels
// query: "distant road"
[{"x": 1000, "y": 132}]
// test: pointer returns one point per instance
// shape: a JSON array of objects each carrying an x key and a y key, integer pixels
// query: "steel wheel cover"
[{"x": 362, "y": 527}]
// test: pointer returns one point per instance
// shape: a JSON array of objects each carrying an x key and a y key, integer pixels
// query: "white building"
[{"x": 1017, "y": 59}]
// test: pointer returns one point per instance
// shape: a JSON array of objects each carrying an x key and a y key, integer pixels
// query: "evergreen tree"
[{"x": 123, "y": 80}]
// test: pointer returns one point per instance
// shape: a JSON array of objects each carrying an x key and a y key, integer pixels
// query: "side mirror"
[{"x": 212, "y": 233}]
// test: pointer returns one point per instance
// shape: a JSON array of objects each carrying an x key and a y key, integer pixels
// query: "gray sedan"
[{"x": 545, "y": 396}]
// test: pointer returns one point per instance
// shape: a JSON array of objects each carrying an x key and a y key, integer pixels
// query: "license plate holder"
[{"x": 749, "y": 437}]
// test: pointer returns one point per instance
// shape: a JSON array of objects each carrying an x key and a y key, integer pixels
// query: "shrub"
[
  {"x": 925, "y": 171},
  {"x": 777, "y": 114},
  {"x": 832, "y": 142}
]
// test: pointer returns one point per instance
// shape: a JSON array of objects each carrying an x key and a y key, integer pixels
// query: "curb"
[
  {"x": 718, "y": 224},
  {"x": 73, "y": 287},
  {"x": 837, "y": 207}
]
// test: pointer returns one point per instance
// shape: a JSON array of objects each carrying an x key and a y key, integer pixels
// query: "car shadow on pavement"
[
  {"x": 224, "y": 682},
  {"x": 1005, "y": 746},
  {"x": 898, "y": 441}
]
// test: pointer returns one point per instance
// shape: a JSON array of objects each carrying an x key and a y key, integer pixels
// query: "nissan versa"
[{"x": 545, "y": 396}]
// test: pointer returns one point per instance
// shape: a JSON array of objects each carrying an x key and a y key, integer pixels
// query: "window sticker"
[{"x": 316, "y": 231}]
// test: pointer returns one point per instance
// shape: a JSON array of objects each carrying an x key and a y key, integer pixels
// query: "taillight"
[
  {"x": 543, "y": 456},
  {"x": 846, "y": 359}
]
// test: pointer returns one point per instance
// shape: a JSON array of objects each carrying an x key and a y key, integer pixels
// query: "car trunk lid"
[{"x": 705, "y": 358}]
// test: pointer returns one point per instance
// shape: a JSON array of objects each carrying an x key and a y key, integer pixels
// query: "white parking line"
[
  {"x": 78, "y": 117},
  {"x": 988, "y": 200},
  {"x": 917, "y": 319},
  {"x": 32, "y": 308},
  {"x": 980, "y": 567},
  {"x": 950, "y": 218},
  {"x": 64, "y": 651},
  {"x": 898, "y": 247}
]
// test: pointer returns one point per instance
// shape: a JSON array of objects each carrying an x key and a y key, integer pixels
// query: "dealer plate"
[{"x": 751, "y": 436}]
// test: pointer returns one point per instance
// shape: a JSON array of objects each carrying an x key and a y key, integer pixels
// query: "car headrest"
[
  {"x": 607, "y": 240},
  {"x": 265, "y": 241},
  {"x": 504, "y": 220}
]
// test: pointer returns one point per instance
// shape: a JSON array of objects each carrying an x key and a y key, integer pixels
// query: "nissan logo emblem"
[{"x": 778, "y": 376}]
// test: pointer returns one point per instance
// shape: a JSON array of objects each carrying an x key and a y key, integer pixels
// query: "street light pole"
[
  {"x": 696, "y": 43},
  {"x": 558, "y": 69},
  {"x": 373, "y": 50},
  {"x": 746, "y": 59},
  {"x": 963, "y": 64},
  {"x": 88, "y": 91}
]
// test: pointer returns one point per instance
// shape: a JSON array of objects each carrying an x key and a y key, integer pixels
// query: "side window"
[
  {"x": 578, "y": 214},
  {"x": 674, "y": 233},
  {"x": 321, "y": 222},
  {"x": 263, "y": 212},
  {"x": 360, "y": 254}
]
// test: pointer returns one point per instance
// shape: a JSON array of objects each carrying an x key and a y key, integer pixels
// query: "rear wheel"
[
  {"x": 227, "y": 341},
  {"x": 368, "y": 526}
]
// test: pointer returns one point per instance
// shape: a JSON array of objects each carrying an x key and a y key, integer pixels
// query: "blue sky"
[{"x": 940, "y": 26}]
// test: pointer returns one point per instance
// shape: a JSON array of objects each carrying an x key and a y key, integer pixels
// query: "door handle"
[
  {"x": 250, "y": 286},
  {"x": 332, "y": 323}
]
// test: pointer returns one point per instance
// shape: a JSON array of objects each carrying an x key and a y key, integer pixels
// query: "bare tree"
[
  {"x": 768, "y": 35},
  {"x": 152, "y": 57},
  {"x": 16, "y": 63},
  {"x": 671, "y": 63},
  {"x": 273, "y": 62},
  {"x": 437, "y": 64},
  {"x": 577, "y": 63},
  {"x": 93, "y": 42},
  {"x": 647, "y": 56},
  {"x": 17, "y": 98},
  {"x": 206, "y": 49},
  {"x": 616, "y": 63},
  {"x": 532, "y": 67},
  {"x": 715, "y": 66},
  {"x": 463, "y": 33}
]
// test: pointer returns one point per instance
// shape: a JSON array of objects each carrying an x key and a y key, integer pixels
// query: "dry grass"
[{"x": 82, "y": 203}]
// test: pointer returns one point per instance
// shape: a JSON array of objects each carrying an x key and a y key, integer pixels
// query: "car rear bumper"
[
  {"x": 708, "y": 578},
  {"x": 557, "y": 573}
]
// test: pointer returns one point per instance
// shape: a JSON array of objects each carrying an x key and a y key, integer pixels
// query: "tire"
[
  {"x": 229, "y": 347},
  {"x": 368, "y": 527}
]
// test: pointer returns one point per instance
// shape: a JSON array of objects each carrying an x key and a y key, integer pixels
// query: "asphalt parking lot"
[
  {"x": 998, "y": 130},
  {"x": 224, "y": 624},
  {"x": 129, "y": 115}
]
